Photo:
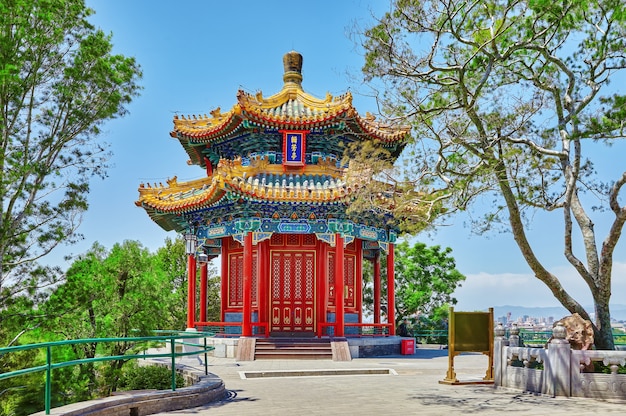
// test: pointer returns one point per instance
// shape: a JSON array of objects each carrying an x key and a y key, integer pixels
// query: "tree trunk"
[
  {"x": 603, "y": 336},
  {"x": 603, "y": 333}
]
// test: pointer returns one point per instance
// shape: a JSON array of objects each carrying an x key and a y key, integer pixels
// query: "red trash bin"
[{"x": 407, "y": 346}]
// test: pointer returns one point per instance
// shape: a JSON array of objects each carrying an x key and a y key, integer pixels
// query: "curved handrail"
[{"x": 173, "y": 339}]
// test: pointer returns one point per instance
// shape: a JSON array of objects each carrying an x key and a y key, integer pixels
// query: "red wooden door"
[{"x": 293, "y": 291}]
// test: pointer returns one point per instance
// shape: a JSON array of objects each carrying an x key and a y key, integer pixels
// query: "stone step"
[
  {"x": 293, "y": 349},
  {"x": 293, "y": 355},
  {"x": 292, "y": 346}
]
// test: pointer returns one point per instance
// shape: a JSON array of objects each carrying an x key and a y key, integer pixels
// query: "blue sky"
[{"x": 196, "y": 54}]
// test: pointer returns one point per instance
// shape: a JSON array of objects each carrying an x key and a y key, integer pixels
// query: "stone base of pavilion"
[
  {"x": 359, "y": 347},
  {"x": 375, "y": 346}
]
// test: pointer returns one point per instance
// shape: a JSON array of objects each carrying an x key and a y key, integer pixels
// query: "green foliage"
[
  {"x": 118, "y": 293},
  {"x": 533, "y": 365},
  {"x": 16, "y": 389},
  {"x": 31, "y": 399},
  {"x": 408, "y": 206},
  {"x": 425, "y": 279},
  {"x": 600, "y": 367},
  {"x": 25, "y": 394},
  {"x": 147, "y": 377},
  {"x": 510, "y": 100},
  {"x": 431, "y": 328},
  {"x": 122, "y": 292},
  {"x": 59, "y": 82},
  {"x": 172, "y": 259}
]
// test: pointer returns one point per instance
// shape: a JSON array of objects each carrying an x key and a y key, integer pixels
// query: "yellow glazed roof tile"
[
  {"x": 291, "y": 107},
  {"x": 324, "y": 185}
]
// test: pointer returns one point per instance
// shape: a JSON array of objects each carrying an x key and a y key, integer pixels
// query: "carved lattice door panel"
[
  {"x": 292, "y": 291},
  {"x": 235, "y": 280},
  {"x": 349, "y": 276}
]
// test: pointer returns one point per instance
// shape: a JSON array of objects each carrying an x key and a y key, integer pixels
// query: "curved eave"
[
  {"x": 285, "y": 195},
  {"x": 234, "y": 168},
  {"x": 166, "y": 221},
  {"x": 204, "y": 129},
  {"x": 203, "y": 126},
  {"x": 158, "y": 201},
  {"x": 290, "y": 109},
  {"x": 291, "y": 92},
  {"x": 294, "y": 122},
  {"x": 190, "y": 137},
  {"x": 380, "y": 131},
  {"x": 181, "y": 198}
]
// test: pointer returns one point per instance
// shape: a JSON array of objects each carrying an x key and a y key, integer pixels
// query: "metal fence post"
[
  {"x": 173, "y": 352},
  {"x": 206, "y": 364},
  {"x": 48, "y": 392}
]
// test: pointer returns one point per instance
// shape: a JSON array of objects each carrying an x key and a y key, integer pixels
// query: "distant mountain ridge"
[{"x": 618, "y": 312}]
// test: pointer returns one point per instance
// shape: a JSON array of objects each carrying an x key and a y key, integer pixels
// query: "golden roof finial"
[{"x": 292, "y": 62}]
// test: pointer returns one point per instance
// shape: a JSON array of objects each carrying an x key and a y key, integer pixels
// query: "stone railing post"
[
  {"x": 499, "y": 354},
  {"x": 558, "y": 368},
  {"x": 514, "y": 336}
]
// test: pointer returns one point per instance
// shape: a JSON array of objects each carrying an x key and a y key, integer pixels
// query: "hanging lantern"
[
  {"x": 191, "y": 243},
  {"x": 203, "y": 258}
]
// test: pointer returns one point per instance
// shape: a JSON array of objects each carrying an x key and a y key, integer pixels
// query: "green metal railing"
[
  {"x": 542, "y": 337},
  {"x": 619, "y": 339},
  {"x": 534, "y": 337},
  {"x": 526, "y": 337},
  {"x": 431, "y": 336},
  {"x": 173, "y": 338}
]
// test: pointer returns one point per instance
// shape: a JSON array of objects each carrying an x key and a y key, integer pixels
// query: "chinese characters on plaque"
[{"x": 294, "y": 148}]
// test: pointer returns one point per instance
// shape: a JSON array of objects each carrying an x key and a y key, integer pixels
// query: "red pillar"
[
  {"x": 224, "y": 279},
  {"x": 322, "y": 285},
  {"x": 262, "y": 296},
  {"x": 376, "y": 262},
  {"x": 246, "y": 329},
  {"x": 191, "y": 291},
  {"x": 339, "y": 286},
  {"x": 391, "y": 294},
  {"x": 203, "y": 291},
  {"x": 358, "y": 279}
]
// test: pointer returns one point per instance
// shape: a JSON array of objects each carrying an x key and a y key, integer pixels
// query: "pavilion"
[{"x": 272, "y": 202}]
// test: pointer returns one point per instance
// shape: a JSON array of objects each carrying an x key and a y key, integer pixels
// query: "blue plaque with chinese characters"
[{"x": 294, "y": 148}]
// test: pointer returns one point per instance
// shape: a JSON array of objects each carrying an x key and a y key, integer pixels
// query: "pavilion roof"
[
  {"x": 259, "y": 181},
  {"x": 290, "y": 109},
  {"x": 241, "y": 150}
]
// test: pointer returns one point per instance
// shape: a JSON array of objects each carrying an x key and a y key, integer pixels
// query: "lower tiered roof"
[{"x": 254, "y": 181}]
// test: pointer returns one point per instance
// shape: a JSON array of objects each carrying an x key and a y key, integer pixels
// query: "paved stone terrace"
[{"x": 412, "y": 388}]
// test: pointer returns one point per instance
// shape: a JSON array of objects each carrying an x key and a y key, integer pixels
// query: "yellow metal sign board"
[{"x": 469, "y": 332}]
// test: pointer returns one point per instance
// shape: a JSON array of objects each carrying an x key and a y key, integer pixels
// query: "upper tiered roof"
[{"x": 255, "y": 117}]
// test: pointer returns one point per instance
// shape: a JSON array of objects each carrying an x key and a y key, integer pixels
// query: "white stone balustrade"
[{"x": 559, "y": 370}]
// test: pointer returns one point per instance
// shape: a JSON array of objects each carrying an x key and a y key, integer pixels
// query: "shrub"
[
  {"x": 600, "y": 367},
  {"x": 149, "y": 377}
]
